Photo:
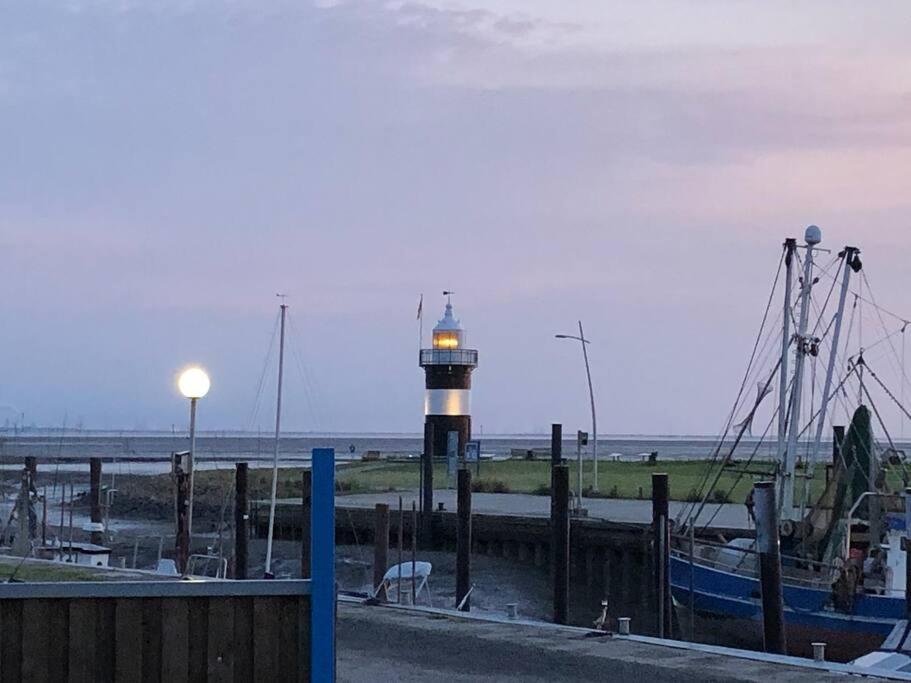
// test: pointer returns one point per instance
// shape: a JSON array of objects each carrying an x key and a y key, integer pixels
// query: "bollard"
[
  {"x": 767, "y": 544},
  {"x": 463, "y": 540},
  {"x": 819, "y": 652},
  {"x": 623, "y": 626},
  {"x": 559, "y": 523},
  {"x": 512, "y": 610}
]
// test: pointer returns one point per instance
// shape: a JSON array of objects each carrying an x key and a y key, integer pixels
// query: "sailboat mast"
[
  {"x": 813, "y": 237},
  {"x": 278, "y": 423},
  {"x": 790, "y": 245}
]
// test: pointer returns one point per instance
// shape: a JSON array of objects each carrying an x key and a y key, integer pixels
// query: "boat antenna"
[{"x": 278, "y": 422}]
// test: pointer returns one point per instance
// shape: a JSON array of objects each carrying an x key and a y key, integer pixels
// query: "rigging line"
[
  {"x": 737, "y": 440},
  {"x": 743, "y": 470},
  {"x": 257, "y": 402},
  {"x": 882, "y": 322},
  {"x": 879, "y": 417},
  {"x": 825, "y": 304},
  {"x": 746, "y": 374},
  {"x": 297, "y": 354},
  {"x": 858, "y": 293},
  {"x": 888, "y": 393}
]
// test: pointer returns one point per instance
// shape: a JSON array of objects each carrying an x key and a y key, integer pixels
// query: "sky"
[{"x": 167, "y": 167}]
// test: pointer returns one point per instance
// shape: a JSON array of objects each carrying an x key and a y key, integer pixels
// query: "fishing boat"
[{"x": 841, "y": 517}]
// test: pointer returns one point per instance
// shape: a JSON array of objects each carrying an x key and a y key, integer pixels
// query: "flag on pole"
[{"x": 420, "y": 308}]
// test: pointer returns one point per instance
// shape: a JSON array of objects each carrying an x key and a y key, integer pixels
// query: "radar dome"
[{"x": 813, "y": 235}]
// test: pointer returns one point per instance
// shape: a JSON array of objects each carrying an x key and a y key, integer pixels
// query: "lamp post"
[
  {"x": 591, "y": 395},
  {"x": 193, "y": 384}
]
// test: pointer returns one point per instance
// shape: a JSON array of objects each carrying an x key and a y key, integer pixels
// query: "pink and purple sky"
[{"x": 168, "y": 166}]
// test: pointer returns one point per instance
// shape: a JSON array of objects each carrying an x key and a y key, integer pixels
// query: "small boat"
[{"x": 843, "y": 565}]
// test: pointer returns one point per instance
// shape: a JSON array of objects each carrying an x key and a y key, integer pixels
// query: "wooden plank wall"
[{"x": 127, "y": 639}]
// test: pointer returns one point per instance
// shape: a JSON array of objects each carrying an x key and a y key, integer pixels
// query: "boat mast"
[
  {"x": 813, "y": 236},
  {"x": 790, "y": 245},
  {"x": 851, "y": 263},
  {"x": 278, "y": 421}
]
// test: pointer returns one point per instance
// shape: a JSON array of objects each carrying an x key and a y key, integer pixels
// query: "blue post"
[{"x": 322, "y": 540}]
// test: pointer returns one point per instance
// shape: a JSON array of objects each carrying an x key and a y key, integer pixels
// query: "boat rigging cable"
[
  {"x": 743, "y": 385},
  {"x": 257, "y": 401}
]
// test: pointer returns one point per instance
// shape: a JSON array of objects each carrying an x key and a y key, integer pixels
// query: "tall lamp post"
[
  {"x": 591, "y": 395},
  {"x": 193, "y": 384}
]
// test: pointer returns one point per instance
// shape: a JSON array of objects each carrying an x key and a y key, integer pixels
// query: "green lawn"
[
  {"x": 616, "y": 479},
  {"x": 214, "y": 489}
]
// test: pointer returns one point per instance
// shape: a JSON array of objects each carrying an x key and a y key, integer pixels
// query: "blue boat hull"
[{"x": 809, "y": 614}]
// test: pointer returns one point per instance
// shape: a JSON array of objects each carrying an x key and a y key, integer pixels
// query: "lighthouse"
[{"x": 447, "y": 396}]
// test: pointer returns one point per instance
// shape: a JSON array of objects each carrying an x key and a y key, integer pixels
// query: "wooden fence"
[{"x": 156, "y": 631}]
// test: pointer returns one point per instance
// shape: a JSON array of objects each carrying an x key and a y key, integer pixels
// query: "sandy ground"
[{"x": 382, "y": 644}]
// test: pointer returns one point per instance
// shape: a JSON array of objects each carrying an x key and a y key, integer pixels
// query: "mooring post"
[
  {"x": 401, "y": 551},
  {"x": 427, "y": 490},
  {"x": 556, "y": 444},
  {"x": 559, "y": 523},
  {"x": 414, "y": 552},
  {"x": 240, "y": 520},
  {"x": 306, "y": 513},
  {"x": 323, "y": 593},
  {"x": 463, "y": 540},
  {"x": 182, "y": 480},
  {"x": 97, "y": 537},
  {"x": 23, "y": 545},
  {"x": 906, "y": 542},
  {"x": 661, "y": 553},
  {"x": 767, "y": 544},
  {"x": 44, "y": 518},
  {"x": 556, "y": 457},
  {"x": 380, "y": 544}
]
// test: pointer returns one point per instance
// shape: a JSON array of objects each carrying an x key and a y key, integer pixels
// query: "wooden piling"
[
  {"x": 906, "y": 546},
  {"x": 401, "y": 531},
  {"x": 463, "y": 540},
  {"x": 767, "y": 543},
  {"x": 97, "y": 537},
  {"x": 427, "y": 490},
  {"x": 182, "y": 536},
  {"x": 414, "y": 552},
  {"x": 661, "y": 553},
  {"x": 556, "y": 444},
  {"x": 240, "y": 520},
  {"x": 380, "y": 543},
  {"x": 306, "y": 514},
  {"x": 559, "y": 523}
]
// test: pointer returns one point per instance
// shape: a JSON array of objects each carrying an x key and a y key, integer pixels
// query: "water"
[{"x": 295, "y": 447}]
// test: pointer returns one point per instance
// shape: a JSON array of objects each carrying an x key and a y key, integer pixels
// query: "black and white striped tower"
[{"x": 447, "y": 397}]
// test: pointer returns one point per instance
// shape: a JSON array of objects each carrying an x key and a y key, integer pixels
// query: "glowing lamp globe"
[{"x": 193, "y": 383}]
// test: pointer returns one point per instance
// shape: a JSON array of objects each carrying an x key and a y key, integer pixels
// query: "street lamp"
[
  {"x": 193, "y": 384},
  {"x": 591, "y": 395}
]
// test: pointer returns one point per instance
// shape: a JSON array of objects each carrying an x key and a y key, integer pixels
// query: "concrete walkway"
[
  {"x": 387, "y": 644},
  {"x": 730, "y": 516}
]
